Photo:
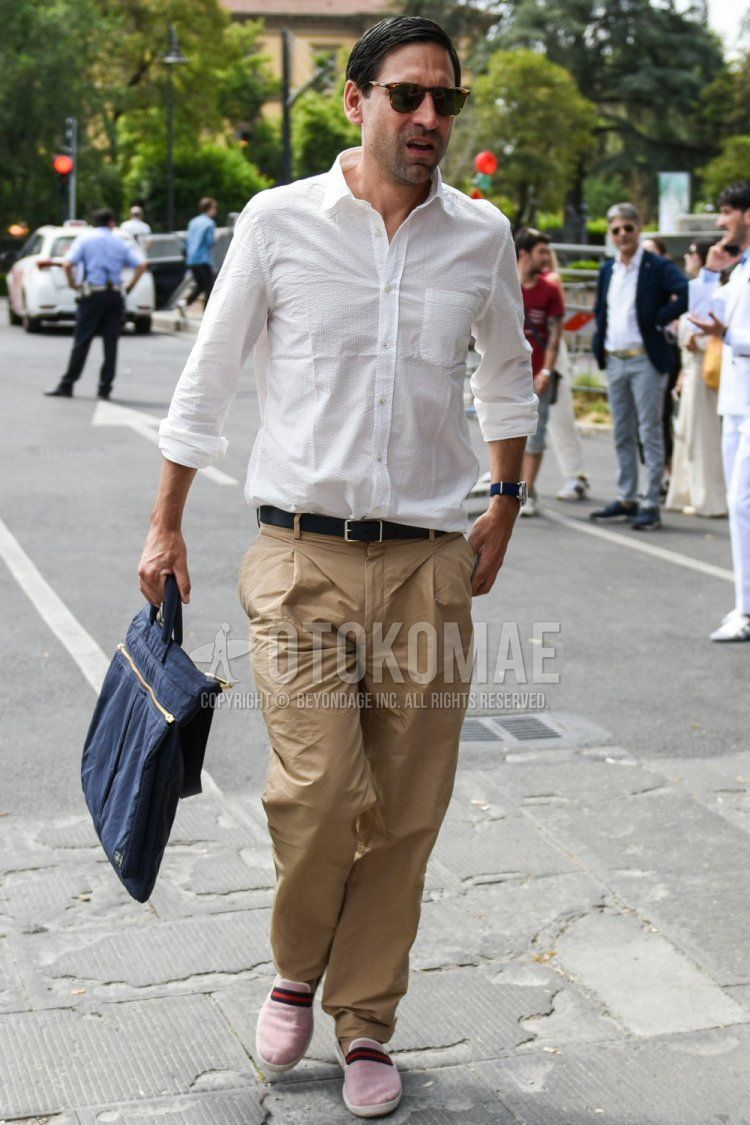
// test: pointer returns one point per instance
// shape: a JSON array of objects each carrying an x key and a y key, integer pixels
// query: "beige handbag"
[{"x": 712, "y": 359}]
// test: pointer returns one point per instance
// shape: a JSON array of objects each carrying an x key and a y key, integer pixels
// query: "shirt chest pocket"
[{"x": 446, "y": 327}]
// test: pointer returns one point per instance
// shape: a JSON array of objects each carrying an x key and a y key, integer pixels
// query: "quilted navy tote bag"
[{"x": 146, "y": 743}]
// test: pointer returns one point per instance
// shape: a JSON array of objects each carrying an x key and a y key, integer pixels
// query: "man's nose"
[{"x": 425, "y": 114}]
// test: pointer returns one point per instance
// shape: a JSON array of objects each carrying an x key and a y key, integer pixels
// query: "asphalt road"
[{"x": 79, "y": 478}]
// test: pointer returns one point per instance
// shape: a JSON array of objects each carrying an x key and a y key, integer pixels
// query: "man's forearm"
[
  {"x": 506, "y": 459},
  {"x": 553, "y": 347},
  {"x": 171, "y": 495}
]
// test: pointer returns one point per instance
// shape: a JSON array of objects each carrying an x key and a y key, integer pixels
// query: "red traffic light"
[
  {"x": 486, "y": 163},
  {"x": 63, "y": 164}
]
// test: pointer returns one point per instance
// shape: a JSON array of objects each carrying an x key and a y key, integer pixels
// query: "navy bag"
[{"x": 146, "y": 743}]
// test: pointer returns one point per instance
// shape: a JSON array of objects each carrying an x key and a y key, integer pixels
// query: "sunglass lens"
[
  {"x": 449, "y": 103},
  {"x": 406, "y": 97}
]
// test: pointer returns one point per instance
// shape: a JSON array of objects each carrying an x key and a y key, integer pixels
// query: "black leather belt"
[{"x": 353, "y": 531}]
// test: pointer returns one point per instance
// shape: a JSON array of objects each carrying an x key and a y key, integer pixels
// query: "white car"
[{"x": 38, "y": 289}]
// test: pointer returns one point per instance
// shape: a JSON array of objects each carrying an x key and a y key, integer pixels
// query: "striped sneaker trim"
[
  {"x": 368, "y": 1054},
  {"x": 289, "y": 996}
]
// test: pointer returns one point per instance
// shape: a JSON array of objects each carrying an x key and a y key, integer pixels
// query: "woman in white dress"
[{"x": 697, "y": 482}]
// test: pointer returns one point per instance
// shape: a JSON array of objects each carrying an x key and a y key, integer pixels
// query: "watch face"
[{"x": 523, "y": 493}]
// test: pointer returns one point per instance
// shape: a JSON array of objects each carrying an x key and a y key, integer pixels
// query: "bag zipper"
[{"x": 167, "y": 715}]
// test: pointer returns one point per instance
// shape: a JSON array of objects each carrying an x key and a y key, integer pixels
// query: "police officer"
[{"x": 101, "y": 304}]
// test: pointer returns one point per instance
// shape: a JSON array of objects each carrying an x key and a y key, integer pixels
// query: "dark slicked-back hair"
[
  {"x": 527, "y": 238},
  {"x": 103, "y": 217},
  {"x": 396, "y": 31},
  {"x": 737, "y": 195}
]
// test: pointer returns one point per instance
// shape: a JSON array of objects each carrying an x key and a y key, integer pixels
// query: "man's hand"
[
  {"x": 712, "y": 327},
  {"x": 164, "y": 553},
  {"x": 719, "y": 260},
  {"x": 489, "y": 540},
  {"x": 542, "y": 381}
]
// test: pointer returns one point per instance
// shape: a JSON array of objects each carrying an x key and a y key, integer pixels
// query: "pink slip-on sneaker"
[
  {"x": 372, "y": 1083},
  {"x": 285, "y": 1025}
]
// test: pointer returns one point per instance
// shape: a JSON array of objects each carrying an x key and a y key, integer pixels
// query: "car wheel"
[
  {"x": 13, "y": 317},
  {"x": 31, "y": 323},
  {"x": 142, "y": 325}
]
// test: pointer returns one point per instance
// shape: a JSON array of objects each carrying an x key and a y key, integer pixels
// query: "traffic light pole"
[{"x": 72, "y": 139}]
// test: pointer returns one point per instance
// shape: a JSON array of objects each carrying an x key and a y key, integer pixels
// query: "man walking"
[
  {"x": 199, "y": 258},
  {"x": 362, "y": 288},
  {"x": 543, "y": 312},
  {"x": 137, "y": 227},
  {"x": 101, "y": 256},
  {"x": 730, "y": 321},
  {"x": 638, "y": 294}
]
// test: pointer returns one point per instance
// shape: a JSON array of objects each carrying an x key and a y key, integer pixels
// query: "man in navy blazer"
[{"x": 638, "y": 295}]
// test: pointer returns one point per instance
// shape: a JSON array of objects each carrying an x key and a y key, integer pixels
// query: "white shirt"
[
  {"x": 136, "y": 228},
  {"x": 731, "y": 304},
  {"x": 623, "y": 332},
  {"x": 360, "y": 352}
]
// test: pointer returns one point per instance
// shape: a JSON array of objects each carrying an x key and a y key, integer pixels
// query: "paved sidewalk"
[{"x": 582, "y": 958}]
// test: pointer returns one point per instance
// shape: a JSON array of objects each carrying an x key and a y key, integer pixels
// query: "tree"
[
  {"x": 320, "y": 130},
  {"x": 643, "y": 65},
  {"x": 529, "y": 112},
  {"x": 732, "y": 163},
  {"x": 45, "y": 51}
]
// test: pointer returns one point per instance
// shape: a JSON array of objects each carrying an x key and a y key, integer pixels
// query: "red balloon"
[
  {"x": 63, "y": 164},
  {"x": 486, "y": 163}
]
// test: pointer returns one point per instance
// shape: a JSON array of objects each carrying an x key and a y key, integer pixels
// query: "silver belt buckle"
[{"x": 346, "y": 532}]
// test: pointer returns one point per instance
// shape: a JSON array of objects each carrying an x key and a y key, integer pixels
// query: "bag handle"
[{"x": 171, "y": 611}]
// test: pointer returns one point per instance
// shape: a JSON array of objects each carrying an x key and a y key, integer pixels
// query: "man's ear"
[{"x": 353, "y": 98}]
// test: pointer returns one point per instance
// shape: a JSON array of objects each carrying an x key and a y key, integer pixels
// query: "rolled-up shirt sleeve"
[
  {"x": 502, "y": 384},
  {"x": 192, "y": 432}
]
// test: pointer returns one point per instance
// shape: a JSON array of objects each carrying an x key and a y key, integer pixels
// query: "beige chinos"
[{"x": 361, "y": 767}]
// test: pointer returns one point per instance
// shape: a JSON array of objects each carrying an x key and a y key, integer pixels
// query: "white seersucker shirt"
[
  {"x": 623, "y": 332},
  {"x": 360, "y": 352}
]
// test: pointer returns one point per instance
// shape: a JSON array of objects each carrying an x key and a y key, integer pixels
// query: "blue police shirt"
[
  {"x": 103, "y": 255},
  {"x": 200, "y": 239}
]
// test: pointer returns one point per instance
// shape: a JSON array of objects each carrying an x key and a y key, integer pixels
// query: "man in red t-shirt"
[{"x": 543, "y": 312}]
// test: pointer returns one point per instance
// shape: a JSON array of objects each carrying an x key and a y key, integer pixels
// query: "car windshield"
[{"x": 61, "y": 245}]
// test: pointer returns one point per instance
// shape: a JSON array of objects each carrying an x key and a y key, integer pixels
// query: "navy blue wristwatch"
[{"x": 505, "y": 488}]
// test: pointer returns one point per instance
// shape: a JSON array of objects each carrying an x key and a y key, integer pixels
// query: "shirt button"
[
  {"x": 386, "y": 343},
  {"x": 378, "y": 233},
  {"x": 379, "y": 457},
  {"x": 382, "y": 401},
  {"x": 388, "y": 288}
]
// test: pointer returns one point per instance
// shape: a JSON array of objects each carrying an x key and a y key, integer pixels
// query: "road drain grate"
[
  {"x": 474, "y": 730},
  {"x": 527, "y": 729}
]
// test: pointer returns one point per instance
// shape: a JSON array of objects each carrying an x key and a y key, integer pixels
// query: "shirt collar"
[
  {"x": 336, "y": 188},
  {"x": 635, "y": 261}
]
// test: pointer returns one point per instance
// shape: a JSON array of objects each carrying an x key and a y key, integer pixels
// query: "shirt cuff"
[
  {"x": 500, "y": 420},
  {"x": 196, "y": 451}
]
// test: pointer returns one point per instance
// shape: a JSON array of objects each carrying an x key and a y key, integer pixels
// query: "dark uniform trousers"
[{"x": 100, "y": 313}]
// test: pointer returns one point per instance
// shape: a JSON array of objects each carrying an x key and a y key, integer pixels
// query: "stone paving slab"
[
  {"x": 573, "y": 782},
  {"x": 697, "y": 1079},
  {"x": 496, "y": 850},
  {"x": 431, "y": 1097},
  {"x": 241, "y": 1107},
  {"x": 625, "y": 963},
  {"x": 194, "y": 955},
  {"x": 661, "y": 831},
  {"x": 706, "y": 917},
  {"x": 51, "y": 1061},
  {"x": 12, "y": 995}
]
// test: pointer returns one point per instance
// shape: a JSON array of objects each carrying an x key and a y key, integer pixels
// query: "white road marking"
[
  {"x": 110, "y": 414},
  {"x": 635, "y": 544},
  {"x": 53, "y": 611}
]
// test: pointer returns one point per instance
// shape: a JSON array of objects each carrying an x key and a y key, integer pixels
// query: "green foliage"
[
  {"x": 212, "y": 169},
  {"x": 732, "y": 163},
  {"x": 102, "y": 61},
  {"x": 644, "y": 65},
  {"x": 528, "y": 111},
  {"x": 600, "y": 192},
  {"x": 320, "y": 130},
  {"x": 45, "y": 51}
]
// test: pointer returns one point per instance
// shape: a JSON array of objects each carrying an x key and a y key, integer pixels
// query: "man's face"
[
  {"x": 735, "y": 223},
  {"x": 406, "y": 146},
  {"x": 540, "y": 258},
  {"x": 625, "y": 234}
]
